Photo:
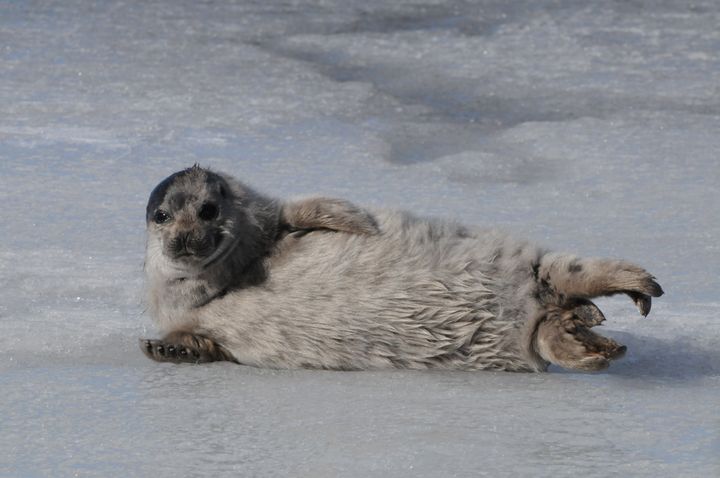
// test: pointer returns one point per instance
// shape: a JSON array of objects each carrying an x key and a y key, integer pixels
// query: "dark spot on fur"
[
  {"x": 463, "y": 233},
  {"x": 536, "y": 270},
  {"x": 178, "y": 200},
  {"x": 575, "y": 267},
  {"x": 545, "y": 292}
]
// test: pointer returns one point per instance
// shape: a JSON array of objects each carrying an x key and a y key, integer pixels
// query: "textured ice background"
[{"x": 591, "y": 127}]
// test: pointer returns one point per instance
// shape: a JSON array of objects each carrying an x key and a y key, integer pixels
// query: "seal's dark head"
[{"x": 197, "y": 217}]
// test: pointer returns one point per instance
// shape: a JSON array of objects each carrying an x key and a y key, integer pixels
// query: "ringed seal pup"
[{"x": 320, "y": 283}]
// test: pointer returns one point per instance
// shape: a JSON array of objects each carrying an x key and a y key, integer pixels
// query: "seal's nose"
[{"x": 180, "y": 246}]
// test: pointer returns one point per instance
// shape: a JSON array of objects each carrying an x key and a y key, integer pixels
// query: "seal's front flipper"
[
  {"x": 184, "y": 347},
  {"x": 327, "y": 213}
]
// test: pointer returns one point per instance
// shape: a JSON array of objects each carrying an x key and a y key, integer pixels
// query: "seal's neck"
[{"x": 175, "y": 295}]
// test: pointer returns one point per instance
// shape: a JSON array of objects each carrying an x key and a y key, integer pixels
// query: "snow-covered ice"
[{"x": 591, "y": 127}]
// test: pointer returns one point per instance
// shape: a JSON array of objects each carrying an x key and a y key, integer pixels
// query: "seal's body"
[{"x": 323, "y": 284}]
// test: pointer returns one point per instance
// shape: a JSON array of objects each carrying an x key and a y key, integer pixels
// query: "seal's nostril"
[{"x": 181, "y": 245}]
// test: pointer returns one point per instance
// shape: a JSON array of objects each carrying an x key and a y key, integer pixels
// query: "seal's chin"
[{"x": 184, "y": 264}]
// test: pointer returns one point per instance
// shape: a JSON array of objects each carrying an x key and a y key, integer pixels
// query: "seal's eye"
[
  {"x": 208, "y": 211},
  {"x": 161, "y": 217}
]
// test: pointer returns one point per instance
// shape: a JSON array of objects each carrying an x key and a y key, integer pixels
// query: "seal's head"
[{"x": 196, "y": 218}]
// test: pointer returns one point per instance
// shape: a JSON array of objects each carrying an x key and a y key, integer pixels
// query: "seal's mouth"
[
  {"x": 188, "y": 247},
  {"x": 192, "y": 258},
  {"x": 187, "y": 257},
  {"x": 224, "y": 246}
]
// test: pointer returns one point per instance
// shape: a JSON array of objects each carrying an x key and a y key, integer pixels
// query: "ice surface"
[{"x": 591, "y": 127}]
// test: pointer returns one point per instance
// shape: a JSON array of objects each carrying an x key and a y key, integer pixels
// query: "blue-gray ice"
[{"x": 590, "y": 127}]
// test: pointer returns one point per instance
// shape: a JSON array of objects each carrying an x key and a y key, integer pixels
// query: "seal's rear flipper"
[
  {"x": 565, "y": 277},
  {"x": 566, "y": 340}
]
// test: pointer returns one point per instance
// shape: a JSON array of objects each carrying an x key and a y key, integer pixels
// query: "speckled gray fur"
[{"x": 394, "y": 291}]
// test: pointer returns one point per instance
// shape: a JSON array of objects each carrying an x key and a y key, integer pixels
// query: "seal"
[{"x": 323, "y": 284}]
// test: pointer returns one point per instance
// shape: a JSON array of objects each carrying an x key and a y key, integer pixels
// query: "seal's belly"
[{"x": 418, "y": 296}]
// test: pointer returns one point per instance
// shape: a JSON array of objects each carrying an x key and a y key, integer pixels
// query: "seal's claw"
[{"x": 642, "y": 301}]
